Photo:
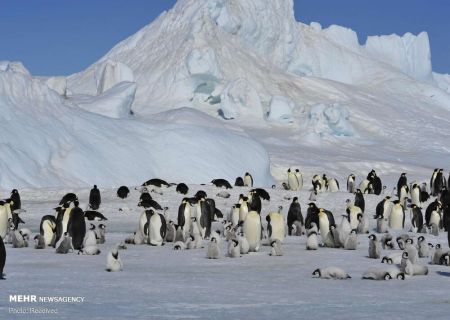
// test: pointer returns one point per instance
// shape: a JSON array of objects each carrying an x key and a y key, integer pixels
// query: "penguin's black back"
[{"x": 2, "y": 257}]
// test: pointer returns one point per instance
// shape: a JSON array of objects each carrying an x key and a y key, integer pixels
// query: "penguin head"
[
  {"x": 36, "y": 237},
  {"x": 353, "y": 231},
  {"x": 297, "y": 170},
  {"x": 14, "y": 191},
  {"x": 384, "y": 260},
  {"x": 280, "y": 208},
  {"x": 273, "y": 243},
  {"x": 274, "y": 186},
  {"x": 101, "y": 226},
  {"x": 438, "y": 246},
  {"x": 387, "y": 276},
  {"x": 359, "y": 217},
  {"x": 316, "y": 273},
  {"x": 373, "y": 237},
  {"x": 420, "y": 239},
  {"x": 194, "y": 219},
  {"x": 65, "y": 234},
  {"x": 430, "y": 245},
  {"x": 95, "y": 186},
  {"x": 235, "y": 242},
  {"x": 289, "y": 170},
  {"x": 115, "y": 253},
  {"x": 191, "y": 237},
  {"x": 92, "y": 227},
  {"x": 76, "y": 203},
  {"x": 213, "y": 239},
  {"x": 405, "y": 255},
  {"x": 66, "y": 205},
  {"x": 409, "y": 241},
  {"x": 379, "y": 217}
]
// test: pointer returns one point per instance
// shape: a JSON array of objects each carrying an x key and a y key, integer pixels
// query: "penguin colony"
[{"x": 251, "y": 226}]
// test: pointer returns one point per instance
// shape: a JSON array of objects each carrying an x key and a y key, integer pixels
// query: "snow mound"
[
  {"x": 59, "y": 84},
  {"x": 114, "y": 103},
  {"x": 110, "y": 73},
  {"x": 49, "y": 141}
]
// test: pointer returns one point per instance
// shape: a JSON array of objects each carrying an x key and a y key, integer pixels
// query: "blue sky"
[{"x": 60, "y": 37}]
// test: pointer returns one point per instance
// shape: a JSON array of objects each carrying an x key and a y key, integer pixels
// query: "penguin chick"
[
  {"x": 331, "y": 273},
  {"x": 312, "y": 243},
  {"x": 351, "y": 243},
  {"x": 394, "y": 258},
  {"x": 376, "y": 274},
  {"x": 213, "y": 251},
  {"x": 170, "y": 232},
  {"x": 276, "y": 248},
  {"x": 438, "y": 252},
  {"x": 387, "y": 242},
  {"x": 90, "y": 251},
  {"x": 113, "y": 261},
  {"x": 374, "y": 247},
  {"x": 179, "y": 245},
  {"x": 413, "y": 255},
  {"x": 39, "y": 242},
  {"x": 423, "y": 247},
  {"x": 100, "y": 233},
  {"x": 234, "y": 250},
  {"x": 65, "y": 245},
  {"x": 17, "y": 240},
  {"x": 243, "y": 243}
]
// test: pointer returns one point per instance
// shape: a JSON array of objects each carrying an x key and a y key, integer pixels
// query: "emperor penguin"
[
  {"x": 331, "y": 273},
  {"x": 374, "y": 247},
  {"x": 393, "y": 258},
  {"x": 332, "y": 185},
  {"x": 243, "y": 210},
  {"x": 433, "y": 213},
  {"x": 234, "y": 250},
  {"x": 113, "y": 261},
  {"x": 275, "y": 225},
  {"x": 312, "y": 215},
  {"x": 239, "y": 182},
  {"x": 213, "y": 249},
  {"x": 318, "y": 183},
  {"x": 432, "y": 179},
  {"x": 417, "y": 218},
  {"x": 39, "y": 242},
  {"x": 402, "y": 181},
  {"x": 415, "y": 194},
  {"x": 359, "y": 200},
  {"x": 182, "y": 188},
  {"x": 397, "y": 216},
  {"x": 351, "y": 243},
  {"x": 252, "y": 230},
  {"x": 299, "y": 176},
  {"x": 65, "y": 246},
  {"x": 325, "y": 220},
  {"x": 2, "y": 258},
  {"x": 352, "y": 214},
  {"x": 365, "y": 186},
  {"x": 248, "y": 180},
  {"x": 62, "y": 219},
  {"x": 76, "y": 226},
  {"x": 184, "y": 216},
  {"x": 312, "y": 242},
  {"x": 157, "y": 229},
  {"x": 68, "y": 198},
  {"x": 313, "y": 196},
  {"x": 438, "y": 183},
  {"x": 351, "y": 183},
  {"x": 403, "y": 195},
  {"x": 3, "y": 219},
  {"x": 95, "y": 198},
  {"x": 254, "y": 201},
  {"x": 276, "y": 248},
  {"x": 294, "y": 214},
  {"x": 383, "y": 208},
  {"x": 47, "y": 229},
  {"x": 293, "y": 183}
]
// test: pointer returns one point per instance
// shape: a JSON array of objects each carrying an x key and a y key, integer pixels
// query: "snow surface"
[{"x": 157, "y": 282}]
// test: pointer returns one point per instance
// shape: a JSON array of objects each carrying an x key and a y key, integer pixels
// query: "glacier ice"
[
  {"x": 281, "y": 109},
  {"x": 330, "y": 119},
  {"x": 109, "y": 73}
]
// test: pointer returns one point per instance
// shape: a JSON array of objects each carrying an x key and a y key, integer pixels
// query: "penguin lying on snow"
[
  {"x": 221, "y": 183},
  {"x": 381, "y": 274},
  {"x": 94, "y": 215},
  {"x": 331, "y": 273}
]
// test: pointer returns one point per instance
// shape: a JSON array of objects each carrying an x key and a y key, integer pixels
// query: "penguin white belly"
[
  {"x": 48, "y": 227},
  {"x": 396, "y": 219},
  {"x": 293, "y": 182},
  {"x": 300, "y": 180},
  {"x": 142, "y": 222},
  {"x": 354, "y": 211},
  {"x": 252, "y": 230},
  {"x": 278, "y": 230},
  {"x": 235, "y": 217},
  {"x": 415, "y": 196},
  {"x": 3, "y": 222},
  {"x": 435, "y": 218},
  {"x": 363, "y": 185},
  {"x": 155, "y": 230},
  {"x": 187, "y": 218},
  {"x": 243, "y": 211},
  {"x": 324, "y": 226},
  {"x": 387, "y": 208},
  {"x": 332, "y": 186},
  {"x": 248, "y": 181},
  {"x": 65, "y": 220}
]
